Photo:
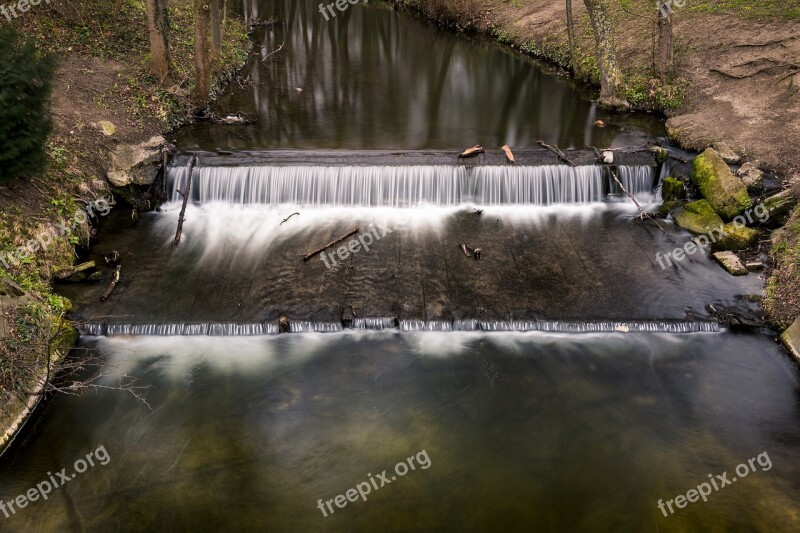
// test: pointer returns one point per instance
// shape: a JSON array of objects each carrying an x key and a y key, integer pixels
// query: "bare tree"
[
  {"x": 610, "y": 73},
  {"x": 158, "y": 24},
  {"x": 216, "y": 28},
  {"x": 664, "y": 53},
  {"x": 573, "y": 61},
  {"x": 202, "y": 52}
]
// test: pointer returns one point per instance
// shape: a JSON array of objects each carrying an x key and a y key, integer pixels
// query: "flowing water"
[{"x": 567, "y": 381}]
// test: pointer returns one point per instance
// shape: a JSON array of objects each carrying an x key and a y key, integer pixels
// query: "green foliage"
[{"x": 25, "y": 84}]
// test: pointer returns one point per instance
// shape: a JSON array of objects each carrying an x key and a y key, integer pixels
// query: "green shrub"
[{"x": 25, "y": 84}]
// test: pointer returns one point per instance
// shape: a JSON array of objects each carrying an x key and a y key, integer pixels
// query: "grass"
[{"x": 782, "y": 301}]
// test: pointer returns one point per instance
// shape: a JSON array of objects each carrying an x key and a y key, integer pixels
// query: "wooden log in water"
[
  {"x": 185, "y": 195},
  {"x": 309, "y": 255},
  {"x": 113, "y": 284}
]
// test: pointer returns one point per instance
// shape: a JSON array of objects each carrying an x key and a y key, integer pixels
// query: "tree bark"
[
  {"x": 216, "y": 28},
  {"x": 202, "y": 52},
  {"x": 573, "y": 61},
  {"x": 158, "y": 26},
  {"x": 665, "y": 48},
  {"x": 610, "y": 74}
]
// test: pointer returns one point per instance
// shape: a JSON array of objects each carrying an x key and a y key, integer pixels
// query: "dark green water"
[{"x": 523, "y": 433}]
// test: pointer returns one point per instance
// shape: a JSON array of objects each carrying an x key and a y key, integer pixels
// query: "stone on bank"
[{"x": 726, "y": 194}]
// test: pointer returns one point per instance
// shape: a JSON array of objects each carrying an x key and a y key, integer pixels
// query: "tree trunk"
[
  {"x": 610, "y": 74},
  {"x": 158, "y": 25},
  {"x": 202, "y": 52},
  {"x": 216, "y": 28},
  {"x": 571, "y": 35},
  {"x": 665, "y": 49}
]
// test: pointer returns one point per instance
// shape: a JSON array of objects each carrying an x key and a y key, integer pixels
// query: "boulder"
[
  {"x": 697, "y": 217},
  {"x": 726, "y": 194},
  {"x": 791, "y": 339},
  {"x": 735, "y": 237},
  {"x": 730, "y": 262},
  {"x": 751, "y": 176},
  {"x": 136, "y": 164},
  {"x": 780, "y": 203},
  {"x": 108, "y": 128},
  {"x": 726, "y": 153},
  {"x": 672, "y": 189}
]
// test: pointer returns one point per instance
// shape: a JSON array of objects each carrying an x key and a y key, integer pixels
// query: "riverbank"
[
  {"x": 734, "y": 82},
  {"x": 103, "y": 98}
]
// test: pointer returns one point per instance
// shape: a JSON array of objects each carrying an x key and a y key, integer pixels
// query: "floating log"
[
  {"x": 309, "y": 255},
  {"x": 113, "y": 284},
  {"x": 508, "y": 152},
  {"x": 470, "y": 152},
  {"x": 185, "y": 195},
  {"x": 556, "y": 150},
  {"x": 65, "y": 274}
]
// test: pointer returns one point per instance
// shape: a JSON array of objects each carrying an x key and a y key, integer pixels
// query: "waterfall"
[
  {"x": 388, "y": 323},
  {"x": 408, "y": 186}
]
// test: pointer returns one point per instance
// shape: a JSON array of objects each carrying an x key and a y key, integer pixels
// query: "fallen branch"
[
  {"x": 309, "y": 255},
  {"x": 556, "y": 150},
  {"x": 185, "y": 195},
  {"x": 273, "y": 52},
  {"x": 644, "y": 213},
  {"x": 508, "y": 152},
  {"x": 113, "y": 284},
  {"x": 287, "y": 218},
  {"x": 475, "y": 150}
]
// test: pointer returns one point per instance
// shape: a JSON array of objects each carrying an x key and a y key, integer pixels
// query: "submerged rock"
[
  {"x": 730, "y": 262},
  {"x": 697, "y": 217},
  {"x": 137, "y": 164},
  {"x": 726, "y": 194}
]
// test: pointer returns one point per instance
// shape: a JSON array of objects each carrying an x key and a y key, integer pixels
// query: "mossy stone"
[{"x": 726, "y": 194}]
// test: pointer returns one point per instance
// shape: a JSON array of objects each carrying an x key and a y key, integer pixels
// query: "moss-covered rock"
[
  {"x": 726, "y": 194},
  {"x": 736, "y": 237},
  {"x": 667, "y": 207},
  {"x": 698, "y": 217},
  {"x": 672, "y": 189}
]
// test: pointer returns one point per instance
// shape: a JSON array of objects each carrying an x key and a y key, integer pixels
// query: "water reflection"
[{"x": 375, "y": 78}]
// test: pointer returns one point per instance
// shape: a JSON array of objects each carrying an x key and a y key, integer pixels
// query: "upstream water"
[{"x": 565, "y": 382}]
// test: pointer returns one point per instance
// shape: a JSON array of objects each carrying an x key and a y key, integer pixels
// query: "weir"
[
  {"x": 392, "y": 323},
  {"x": 409, "y": 186}
]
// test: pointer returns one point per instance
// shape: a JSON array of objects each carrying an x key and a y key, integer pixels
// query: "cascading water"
[{"x": 407, "y": 186}]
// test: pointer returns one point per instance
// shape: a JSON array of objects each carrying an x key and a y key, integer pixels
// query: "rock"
[
  {"x": 108, "y": 128},
  {"x": 735, "y": 237},
  {"x": 754, "y": 265},
  {"x": 726, "y": 194},
  {"x": 137, "y": 164},
  {"x": 727, "y": 154},
  {"x": 730, "y": 262},
  {"x": 672, "y": 189},
  {"x": 779, "y": 203},
  {"x": 791, "y": 339},
  {"x": 667, "y": 207},
  {"x": 697, "y": 217},
  {"x": 661, "y": 154},
  {"x": 751, "y": 176}
]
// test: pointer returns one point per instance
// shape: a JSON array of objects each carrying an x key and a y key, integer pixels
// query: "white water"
[{"x": 407, "y": 186}]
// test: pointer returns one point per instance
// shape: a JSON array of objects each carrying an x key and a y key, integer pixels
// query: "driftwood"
[
  {"x": 309, "y": 255},
  {"x": 287, "y": 218},
  {"x": 113, "y": 284},
  {"x": 470, "y": 152},
  {"x": 283, "y": 325},
  {"x": 185, "y": 195},
  {"x": 112, "y": 258},
  {"x": 509, "y": 153},
  {"x": 475, "y": 253},
  {"x": 69, "y": 272},
  {"x": 556, "y": 150}
]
